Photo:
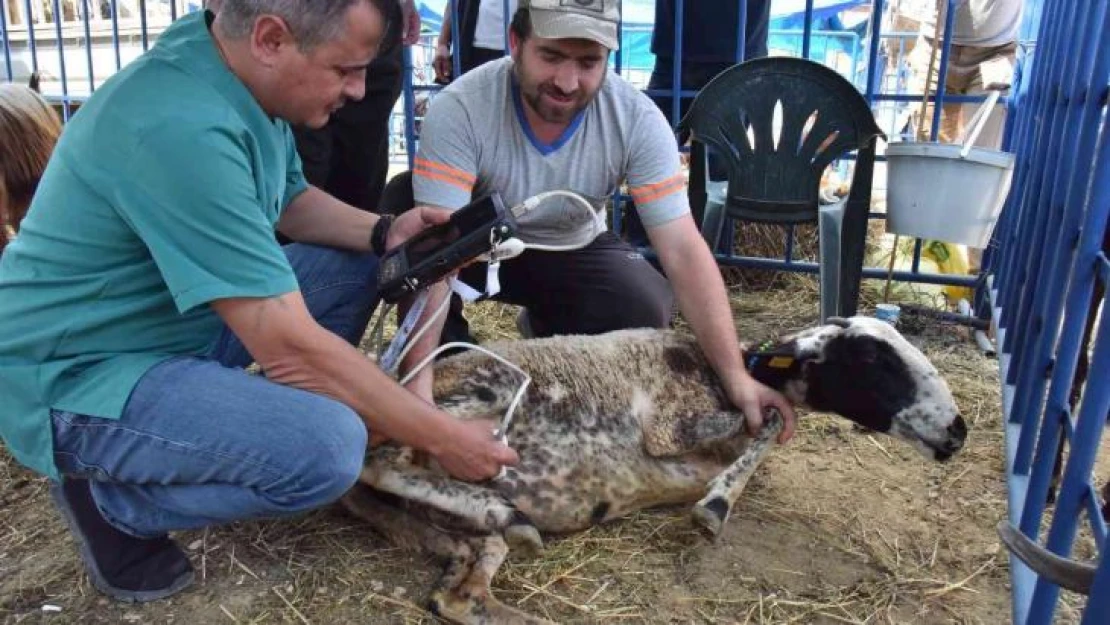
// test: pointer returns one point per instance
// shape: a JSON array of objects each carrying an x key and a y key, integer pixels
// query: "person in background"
[
  {"x": 29, "y": 128},
  {"x": 981, "y": 58},
  {"x": 482, "y": 32}
]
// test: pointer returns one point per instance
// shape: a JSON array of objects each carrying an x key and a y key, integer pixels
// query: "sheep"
[{"x": 623, "y": 421}]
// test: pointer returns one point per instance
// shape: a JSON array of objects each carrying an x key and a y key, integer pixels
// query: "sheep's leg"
[
  {"x": 398, "y": 526},
  {"x": 714, "y": 508},
  {"x": 471, "y": 601},
  {"x": 480, "y": 507}
]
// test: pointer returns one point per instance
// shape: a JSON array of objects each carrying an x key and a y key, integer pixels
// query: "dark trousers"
[
  {"x": 480, "y": 56},
  {"x": 602, "y": 287},
  {"x": 349, "y": 157}
]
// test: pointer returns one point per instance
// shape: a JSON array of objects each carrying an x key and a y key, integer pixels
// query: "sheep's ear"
[{"x": 839, "y": 321}]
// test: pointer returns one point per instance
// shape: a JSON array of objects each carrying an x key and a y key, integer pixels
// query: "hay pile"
[{"x": 838, "y": 526}]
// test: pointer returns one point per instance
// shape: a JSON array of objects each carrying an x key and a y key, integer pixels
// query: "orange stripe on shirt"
[
  {"x": 643, "y": 195},
  {"x": 656, "y": 185},
  {"x": 457, "y": 174},
  {"x": 421, "y": 171}
]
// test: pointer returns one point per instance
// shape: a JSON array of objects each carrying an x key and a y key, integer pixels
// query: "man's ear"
[
  {"x": 269, "y": 39},
  {"x": 515, "y": 44}
]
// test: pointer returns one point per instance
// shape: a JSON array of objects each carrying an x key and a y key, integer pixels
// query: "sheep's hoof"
[
  {"x": 450, "y": 607},
  {"x": 524, "y": 537},
  {"x": 710, "y": 516}
]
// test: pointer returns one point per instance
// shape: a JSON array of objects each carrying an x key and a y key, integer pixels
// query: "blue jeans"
[{"x": 202, "y": 442}]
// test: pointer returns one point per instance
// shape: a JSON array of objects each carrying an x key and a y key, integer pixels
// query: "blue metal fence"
[
  {"x": 1049, "y": 262},
  {"x": 100, "y": 36}
]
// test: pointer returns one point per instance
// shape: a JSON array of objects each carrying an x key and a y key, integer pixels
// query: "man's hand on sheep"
[{"x": 754, "y": 398}]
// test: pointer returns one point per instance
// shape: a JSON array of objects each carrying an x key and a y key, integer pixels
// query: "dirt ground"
[{"x": 838, "y": 526}]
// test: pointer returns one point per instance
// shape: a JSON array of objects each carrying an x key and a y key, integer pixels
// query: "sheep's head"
[{"x": 863, "y": 369}]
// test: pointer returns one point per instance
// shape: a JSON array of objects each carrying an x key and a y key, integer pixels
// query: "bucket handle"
[{"x": 978, "y": 122}]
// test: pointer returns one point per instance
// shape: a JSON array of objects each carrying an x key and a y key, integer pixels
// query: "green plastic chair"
[{"x": 776, "y": 178}]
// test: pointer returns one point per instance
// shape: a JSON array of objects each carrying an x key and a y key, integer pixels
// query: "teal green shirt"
[{"x": 161, "y": 196}]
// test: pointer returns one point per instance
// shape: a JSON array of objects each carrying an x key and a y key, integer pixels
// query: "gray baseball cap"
[{"x": 576, "y": 19}]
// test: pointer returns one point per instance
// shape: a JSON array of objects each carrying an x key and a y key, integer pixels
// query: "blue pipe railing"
[{"x": 1048, "y": 259}]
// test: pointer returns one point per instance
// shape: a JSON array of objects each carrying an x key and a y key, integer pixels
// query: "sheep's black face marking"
[
  {"x": 861, "y": 378},
  {"x": 870, "y": 374}
]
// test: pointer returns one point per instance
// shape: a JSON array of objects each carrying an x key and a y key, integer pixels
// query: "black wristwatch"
[{"x": 379, "y": 233}]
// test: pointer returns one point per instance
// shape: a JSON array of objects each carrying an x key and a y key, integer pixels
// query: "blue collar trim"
[{"x": 544, "y": 148}]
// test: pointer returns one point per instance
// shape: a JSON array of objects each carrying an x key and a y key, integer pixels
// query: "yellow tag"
[{"x": 781, "y": 362}]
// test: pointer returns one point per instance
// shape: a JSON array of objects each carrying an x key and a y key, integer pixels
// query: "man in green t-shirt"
[{"x": 146, "y": 277}]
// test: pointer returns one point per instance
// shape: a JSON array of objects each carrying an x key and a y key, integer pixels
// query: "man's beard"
[{"x": 552, "y": 115}]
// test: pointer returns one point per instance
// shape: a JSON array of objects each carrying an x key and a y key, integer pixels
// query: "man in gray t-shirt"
[{"x": 552, "y": 117}]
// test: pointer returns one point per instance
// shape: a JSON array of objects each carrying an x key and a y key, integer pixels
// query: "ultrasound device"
[{"x": 472, "y": 231}]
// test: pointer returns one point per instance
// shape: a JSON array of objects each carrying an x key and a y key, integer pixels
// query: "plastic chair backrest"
[{"x": 777, "y": 178}]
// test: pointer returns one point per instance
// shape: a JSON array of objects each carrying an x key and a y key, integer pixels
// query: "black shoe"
[{"x": 121, "y": 566}]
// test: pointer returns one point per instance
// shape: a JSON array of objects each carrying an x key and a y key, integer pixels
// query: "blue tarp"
[{"x": 639, "y": 17}]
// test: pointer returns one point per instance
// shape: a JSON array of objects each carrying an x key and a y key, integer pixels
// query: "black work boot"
[{"x": 120, "y": 565}]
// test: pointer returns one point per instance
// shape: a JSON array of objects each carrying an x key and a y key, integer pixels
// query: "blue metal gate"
[{"x": 1049, "y": 263}]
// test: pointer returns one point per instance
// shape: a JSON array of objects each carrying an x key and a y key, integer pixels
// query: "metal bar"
[
  {"x": 618, "y": 56},
  {"x": 508, "y": 20},
  {"x": 909, "y": 97},
  {"x": 807, "y": 29},
  {"x": 32, "y": 48},
  {"x": 1043, "y": 101},
  {"x": 873, "y": 50},
  {"x": 942, "y": 73},
  {"x": 676, "y": 69},
  {"x": 115, "y": 33},
  {"x": 868, "y": 272},
  {"x": 142, "y": 26},
  {"x": 456, "y": 46},
  {"x": 61, "y": 58},
  {"x": 1037, "y": 118},
  {"x": 1021, "y": 576},
  {"x": 1098, "y": 604},
  {"x": 1041, "y": 206},
  {"x": 1094, "y": 513},
  {"x": 5, "y": 33},
  {"x": 741, "y": 30},
  {"x": 1077, "y": 471},
  {"x": 410, "y": 104},
  {"x": 88, "y": 5},
  {"x": 1025, "y": 131}
]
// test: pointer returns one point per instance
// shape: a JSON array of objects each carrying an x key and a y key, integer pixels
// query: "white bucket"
[{"x": 948, "y": 192}]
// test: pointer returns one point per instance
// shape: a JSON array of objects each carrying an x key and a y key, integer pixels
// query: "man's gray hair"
[{"x": 312, "y": 21}]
